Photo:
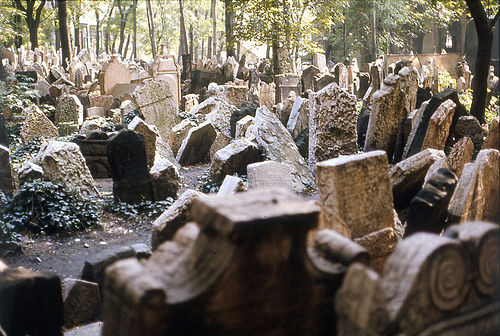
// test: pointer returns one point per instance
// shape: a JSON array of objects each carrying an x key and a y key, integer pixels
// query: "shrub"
[
  {"x": 42, "y": 206},
  {"x": 145, "y": 208}
]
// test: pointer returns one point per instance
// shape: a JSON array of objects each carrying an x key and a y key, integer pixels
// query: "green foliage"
[
  {"x": 17, "y": 95},
  {"x": 145, "y": 208},
  {"x": 207, "y": 185},
  {"x": 127, "y": 118},
  {"x": 20, "y": 153},
  {"x": 42, "y": 206}
]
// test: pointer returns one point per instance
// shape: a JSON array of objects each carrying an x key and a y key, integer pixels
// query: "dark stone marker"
[
  {"x": 94, "y": 150},
  {"x": 302, "y": 143},
  {"x": 362, "y": 125},
  {"x": 247, "y": 108},
  {"x": 126, "y": 153},
  {"x": 30, "y": 303},
  {"x": 422, "y": 95},
  {"x": 428, "y": 210},
  {"x": 4, "y": 138},
  {"x": 364, "y": 84}
]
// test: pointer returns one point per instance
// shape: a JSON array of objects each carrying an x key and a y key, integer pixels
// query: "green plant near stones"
[
  {"x": 207, "y": 184},
  {"x": 7, "y": 233},
  {"x": 127, "y": 118},
  {"x": 17, "y": 95},
  {"x": 42, "y": 206},
  {"x": 20, "y": 153},
  {"x": 145, "y": 208}
]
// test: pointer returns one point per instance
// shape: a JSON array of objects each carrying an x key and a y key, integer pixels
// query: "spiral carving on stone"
[
  {"x": 488, "y": 265},
  {"x": 449, "y": 278}
]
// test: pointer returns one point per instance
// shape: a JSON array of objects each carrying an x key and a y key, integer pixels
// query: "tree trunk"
[
  {"x": 18, "y": 39},
  {"x": 62, "y": 13},
  {"x": 209, "y": 47},
  {"x": 151, "y": 26},
  {"x": 126, "y": 47},
  {"x": 134, "y": 41},
  {"x": 191, "y": 40},
  {"x": 122, "y": 36},
  {"x": 77, "y": 36},
  {"x": 484, "y": 30},
  {"x": 3, "y": 73},
  {"x": 183, "y": 37},
  {"x": 229, "y": 21},
  {"x": 106, "y": 33},
  {"x": 213, "y": 15},
  {"x": 97, "y": 37},
  {"x": 33, "y": 30},
  {"x": 373, "y": 29}
]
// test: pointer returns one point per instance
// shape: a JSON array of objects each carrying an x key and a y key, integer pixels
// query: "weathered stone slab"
[
  {"x": 127, "y": 159},
  {"x": 165, "y": 180},
  {"x": 468, "y": 200},
  {"x": 95, "y": 111},
  {"x": 82, "y": 302},
  {"x": 493, "y": 138},
  {"x": 332, "y": 124},
  {"x": 408, "y": 175},
  {"x": 6, "y": 177},
  {"x": 488, "y": 161},
  {"x": 157, "y": 104},
  {"x": 460, "y": 154},
  {"x": 231, "y": 185},
  {"x": 178, "y": 214},
  {"x": 63, "y": 163},
  {"x": 308, "y": 76},
  {"x": 350, "y": 183},
  {"x": 380, "y": 244},
  {"x": 221, "y": 141},
  {"x": 28, "y": 172},
  {"x": 279, "y": 146},
  {"x": 235, "y": 94},
  {"x": 179, "y": 133},
  {"x": 298, "y": 120},
  {"x": 439, "y": 126},
  {"x": 322, "y": 81},
  {"x": 269, "y": 174},
  {"x": 243, "y": 125},
  {"x": 284, "y": 108},
  {"x": 234, "y": 158},
  {"x": 195, "y": 147},
  {"x": 115, "y": 72},
  {"x": 428, "y": 209},
  {"x": 267, "y": 95},
  {"x": 68, "y": 114},
  {"x": 285, "y": 83}
]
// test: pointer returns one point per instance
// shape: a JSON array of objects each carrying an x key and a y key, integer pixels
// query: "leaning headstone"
[
  {"x": 468, "y": 200},
  {"x": 298, "y": 120},
  {"x": 284, "y": 109},
  {"x": 286, "y": 83},
  {"x": 150, "y": 133},
  {"x": 429, "y": 208},
  {"x": 234, "y": 158},
  {"x": 493, "y": 138},
  {"x": 341, "y": 75},
  {"x": 234, "y": 94},
  {"x": 115, "y": 72},
  {"x": 95, "y": 111},
  {"x": 350, "y": 183},
  {"x": 231, "y": 185},
  {"x": 127, "y": 159},
  {"x": 439, "y": 126},
  {"x": 63, "y": 163},
  {"x": 319, "y": 60},
  {"x": 6, "y": 177},
  {"x": 267, "y": 95},
  {"x": 308, "y": 77},
  {"x": 165, "y": 180},
  {"x": 221, "y": 141},
  {"x": 157, "y": 104},
  {"x": 488, "y": 161},
  {"x": 177, "y": 215},
  {"x": 82, "y": 302},
  {"x": 332, "y": 124},
  {"x": 469, "y": 126},
  {"x": 69, "y": 114},
  {"x": 243, "y": 125},
  {"x": 269, "y": 174},
  {"x": 37, "y": 124},
  {"x": 408, "y": 175},
  {"x": 279, "y": 146},
  {"x": 321, "y": 81},
  {"x": 179, "y": 133},
  {"x": 195, "y": 147},
  {"x": 460, "y": 154}
]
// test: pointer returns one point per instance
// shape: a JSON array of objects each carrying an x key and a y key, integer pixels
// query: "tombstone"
[
  {"x": 234, "y": 159},
  {"x": 127, "y": 159},
  {"x": 4, "y": 138},
  {"x": 364, "y": 84},
  {"x": 156, "y": 102},
  {"x": 106, "y": 102},
  {"x": 93, "y": 148},
  {"x": 218, "y": 298},
  {"x": 37, "y": 124},
  {"x": 188, "y": 102},
  {"x": 429, "y": 208},
  {"x": 243, "y": 125},
  {"x": 362, "y": 125},
  {"x": 168, "y": 69},
  {"x": 6, "y": 176},
  {"x": 68, "y": 114},
  {"x": 408, "y": 175},
  {"x": 267, "y": 95},
  {"x": 82, "y": 302},
  {"x": 319, "y": 61},
  {"x": 341, "y": 75},
  {"x": 286, "y": 83},
  {"x": 230, "y": 69},
  {"x": 279, "y": 146},
  {"x": 488, "y": 161},
  {"x": 195, "y": 147},
  {"x": 283, "y": 109},
  {"x": 179, "y": 133},
  {"x": 468, "y": 126},
  {"x": 298, "y": 120},
  {"x": 354, "y": 182},
  {"x": 492, "y": 139},
  {"x": 321, "y": 81},
  {"x": 308, "y": 77},
  {"x": 165, "y": 180},
  {"x": 235, "y": 94},
  {"x": 460, "y": 154},
  {"x": 115, "y": 72},
  {"x": 248, "y": 108},
  {"x": 269, "y": 174},
  {"x": 150, "y": 134},
  {"x": 439, "y": 126},
  {"x": 63, "y": 163},
  {"x": 376, "y": 75},
  {"x": 95, "y": 111},
  {"x": 231, "y": 185},
  {"x": 332, "y": 124},
  {"x": 42, "y": 88}
]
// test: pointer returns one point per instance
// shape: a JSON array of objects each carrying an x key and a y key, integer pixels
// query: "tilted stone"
[
  {"x": 37, "y": 124},
  {"x": 460, "y": 154},
  {"x": 179, "y": 133},
  {"x": 299, "y": 117},
  {"x": 195, "y": 147},
  {"x": 68, "y": 114},
  {"x": 231, "y": 185},
  {"x": 221, "y": 141},
  {"x": 468, "y": 200},
  {"x": 493, "y": 138},
  {"x": 439, "y": 126},
  {"x": 242, "y": 126},
  {"x": 489, "y": 165},
  {"x": 269, "y": 174},
  {"x": 165, "y": 180}
]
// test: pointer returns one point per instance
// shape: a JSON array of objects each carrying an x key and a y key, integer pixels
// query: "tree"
[
  {"x": 124, "y": 13},
  {"x": 213, "y": 15},
  {"x": 484, "y": 28},
  {"x": 229, "y": 23},
  {"x": 151, "y": 27},
  {"x": 32, "y": 15},
  {"x": 134, "y": 40},
  {"x": 62, "y": 13}
]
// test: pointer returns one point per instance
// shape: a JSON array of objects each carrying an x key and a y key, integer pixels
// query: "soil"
[{"x": 65, "y": 253}]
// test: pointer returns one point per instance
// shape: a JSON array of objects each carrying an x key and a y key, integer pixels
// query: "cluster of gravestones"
[{"x": 265, "y": 261}]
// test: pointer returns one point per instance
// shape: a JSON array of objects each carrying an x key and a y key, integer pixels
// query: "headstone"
[
  {"x": 179, "y": 133},
  {"x": 298, "y": 120},
  {"x": 6, "y": 177},
  {"x": 429, "y": 208},
  {"x": 488, "y": 161},
  {"x": 350, "y": 183},
  {"x": 106, "y": 102},
  {"x": 93, "y": 148},
  {"x": 37, "y": 124},
  {"x": 127, "y": 159},
  {"x": 439, "y": 126},
  {"x": 220, "y": 117},
  {"x": 284, "y": 109},
  {"x": 460, "y": 154},
  {"x": 408, "y": 175},
  {"x": 115, "y": 72},
  {"x": 63, "y": 163},
  {"x": 492, "y": 139},
  {"x": 165, "y": 180},
  {"x": 469, "y": 126},
  {"x": 231, "y": 185},
  {"x": 243, "y": 125},
  {"x": 269, "y": 174},
  {"x": 235, "y": 94},
  {"x": 341, "y": 75},
  {"x": 176, "y": 216},
  {"x": 43, "y": 88},
  {"x": 28, "y": 172},
  {"x": 189, "y": 101},
  {"x": 248, "y": 108},
  {"x": 156, "y": 102},
  {"x": 267, "y": 95},
  {"x": 195, "y": 147},
  {"x": 321, "y": 81},
  {"x": 286, "y": 83},
  {"x": 308, "y": 77},
  {"x": 68, "y": 114},
  {"x": 332, "y": 124},
  {"x": 168, "y": 70},
  {"x": 279, "y": 146},
  {"x": 82, "y": 302},
  {"x": 319, "y": 61},
  {"x": 234, "y": 158},
  {"x": 364, "y": 84}
]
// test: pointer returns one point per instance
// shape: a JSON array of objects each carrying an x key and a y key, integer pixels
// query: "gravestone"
[
  {"x": 269, "y": 174},
  {"x": 298, "y": 120},
  {"x": 234, "y": 158},
  {"x": 439, "y": 126},
  {"x": 341, "y": 75},
  {"x": 488, "y": 161},
  {"x": 231, "y": 185},
  {"x": 93, "y": 148},
  {"x": 195, "y": 147},
  {"x": 308, "y": 77},
  {"x": 68, "y": 114},
  {"x": 319, "y": 61},
  {"x": 284, "y": 108},
  {"x": 115, "y": 72},
  {"x": 95, "y": 111},
  {"x": 279, "y": 146},
  {"x": 243, "y": 125},
  {"x": 179, "y": 133},
  {"x": 37, "y": 124},
  {"x": 350, "y": 183},
  {"x": 6, "y": 177},
  {"x": 156, "y": 102},
  {"x": 165, "y": 180},
  {"x": 332, "y": 124},
  {"x": 286, "y": 83},
  {"x": 364, "y": 84},
  {"x": 321, "y": 81},
  {"x": 127, "y": 159},
  {"x": 267, "y": 95},
  {"x": 460, "y": 154},
  {"x": 492, "y": 139},
  {"x": 168, "y": 69}
]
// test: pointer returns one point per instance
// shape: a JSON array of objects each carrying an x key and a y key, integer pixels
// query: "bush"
[
  {"x": 145, "y": 208},
  {"x": 42, "y": 206},
  {"x": 17, "y": 96}
]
